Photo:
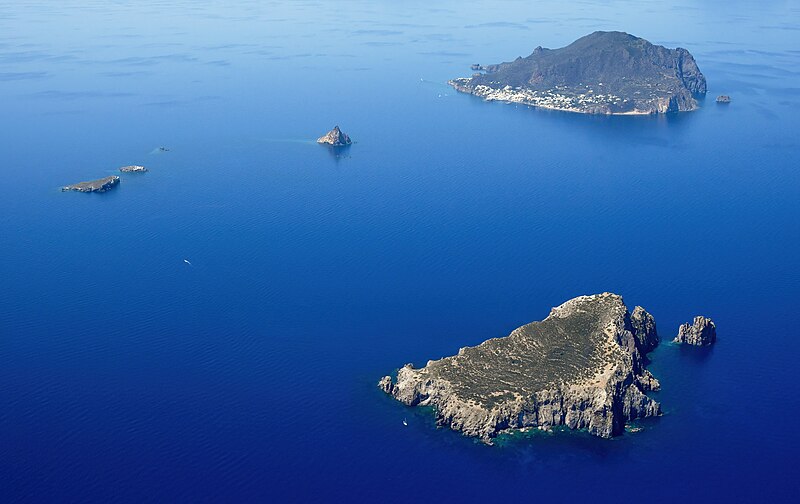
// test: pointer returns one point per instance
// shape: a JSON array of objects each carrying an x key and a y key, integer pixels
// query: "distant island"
[
  {"x": 335, "y": 138},
  {"x": 601, "y": 73},
  {"x": 133, "y": 169},
  {"x": 100, "y": 185},
  {"x": 583, "y": 367}
]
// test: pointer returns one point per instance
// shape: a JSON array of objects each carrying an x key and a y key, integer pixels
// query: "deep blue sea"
[{"x": 128, "y": 375}]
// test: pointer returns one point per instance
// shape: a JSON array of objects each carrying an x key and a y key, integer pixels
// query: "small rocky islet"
[
  {"x": 133, "y": 169},
  {"x": 701, "y": 332},
  {"x": 335, "y": 138},
  {"x": 100, "y": 185},
  {"x": 601, "y": 73}
]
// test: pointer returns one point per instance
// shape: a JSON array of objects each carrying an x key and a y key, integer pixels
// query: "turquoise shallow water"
[{"x": 250, "y": 375}]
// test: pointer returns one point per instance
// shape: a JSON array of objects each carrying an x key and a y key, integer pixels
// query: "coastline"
[{"x": 523, "y": 97}]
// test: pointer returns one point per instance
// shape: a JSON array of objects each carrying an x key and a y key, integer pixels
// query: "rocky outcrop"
[
  {"x": 644, "y": 326},
  {"x": 702, "y": 332},
  {"x": 133, "y": 169},
  {"x": 99, "y": 185},
  {"x": 582, "y": 367},
  {"x": 601, "y": 73},
  {"x": 335, "y": 138}
]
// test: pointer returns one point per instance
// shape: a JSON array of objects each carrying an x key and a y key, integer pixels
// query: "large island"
[
  {"x": 601, "y": 73},
  {"x": 582, "y": 367}
]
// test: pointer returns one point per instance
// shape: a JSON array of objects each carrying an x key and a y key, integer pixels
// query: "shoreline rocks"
[
  {"x": 702, "y": 332},
  {"x": 100, "y": 185},
  {"x": 335, "y": 138},
  {"x": 582, "y": 367}
]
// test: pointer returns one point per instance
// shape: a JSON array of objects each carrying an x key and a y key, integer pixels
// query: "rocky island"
[
  {"x": 601, "y": 73},
  {"x": 99, "y": 185},
  {"x": 582, "y": 367},
  {"x": 335, "y": 138},
  {"x": 133, "y": 169},
  {"x": 702, "y": 332}
]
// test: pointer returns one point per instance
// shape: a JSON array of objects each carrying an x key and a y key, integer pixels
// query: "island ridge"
[{"x": 601, "y": 73}]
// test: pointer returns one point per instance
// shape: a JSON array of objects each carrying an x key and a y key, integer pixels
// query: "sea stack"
[
  {"x": 582, "y": 367},
  {"x": 335, "y": 138},
  {"x": 702, "y": 332},
  {"x": 99, "y": 185}
]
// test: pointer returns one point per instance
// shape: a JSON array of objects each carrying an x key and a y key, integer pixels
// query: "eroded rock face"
[
  {"x": 702, "y": 332},
  {"x": 581, "y": 367},
  {"x": 335, "y": 137},
  {"x": 99, "y": 185},
  {"x": 644, "y": 326},
  {"x": 601, "y": 73}
]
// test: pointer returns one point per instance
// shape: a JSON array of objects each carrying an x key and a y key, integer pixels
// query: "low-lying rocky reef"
[
  {"x": 133, "y": 169},
  {"x": 100, "y": 185}
]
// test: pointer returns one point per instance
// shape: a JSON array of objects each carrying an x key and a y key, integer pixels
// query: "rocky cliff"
[
  {"x": 702, "y": 332},
  {"x": 601, "y": 73},
  {"x": 582, "y": 367}
]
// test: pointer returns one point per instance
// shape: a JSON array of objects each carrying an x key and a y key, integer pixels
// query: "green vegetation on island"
[{"x": 583, "y": 367}]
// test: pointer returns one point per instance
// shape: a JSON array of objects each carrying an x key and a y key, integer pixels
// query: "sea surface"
[{"x": 249, "y": 375}]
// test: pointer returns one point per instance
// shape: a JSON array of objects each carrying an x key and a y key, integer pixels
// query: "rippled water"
[{"x": 249, "y": 375}]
